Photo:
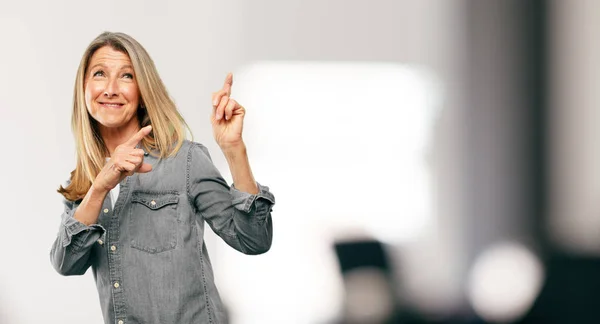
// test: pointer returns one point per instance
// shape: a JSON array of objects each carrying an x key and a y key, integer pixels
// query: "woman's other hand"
[
  {"x": 227, "y": 117},
  {"x": 125, "y": 161}
]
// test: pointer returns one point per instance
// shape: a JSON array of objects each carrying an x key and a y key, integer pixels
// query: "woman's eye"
[
  {"x": 98, "y": 73},
  {"x": 128, "y": 75}
]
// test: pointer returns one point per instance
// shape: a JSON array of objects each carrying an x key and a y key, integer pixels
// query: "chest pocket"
[{"x": 153, "y": 221}]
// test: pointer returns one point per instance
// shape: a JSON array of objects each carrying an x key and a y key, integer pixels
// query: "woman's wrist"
[
  {"x": 97, "y": 190},
  {"x": 232, "y": 152},
  {"x": 233, "y": 149}
]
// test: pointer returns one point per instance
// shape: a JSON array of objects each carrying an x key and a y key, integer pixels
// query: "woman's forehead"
[{"x": 109, "y": 57}]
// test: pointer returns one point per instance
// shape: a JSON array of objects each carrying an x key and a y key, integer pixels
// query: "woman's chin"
[{"x": 111, "y": 123}]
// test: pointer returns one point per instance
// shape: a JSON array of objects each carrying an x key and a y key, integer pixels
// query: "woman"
[{"x": 136, "y": 203}]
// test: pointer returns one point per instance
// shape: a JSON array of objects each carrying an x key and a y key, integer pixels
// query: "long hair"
[{"x": 168, "y": 126}]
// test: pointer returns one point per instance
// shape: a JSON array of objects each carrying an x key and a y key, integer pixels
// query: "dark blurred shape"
[
  {"x": 352, "y": 255},
  {"x": 368, "y": 283},
  {"x": 571, "y": 293}
]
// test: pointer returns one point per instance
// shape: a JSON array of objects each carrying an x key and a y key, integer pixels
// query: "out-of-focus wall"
[{"x": 573, "y": 128}]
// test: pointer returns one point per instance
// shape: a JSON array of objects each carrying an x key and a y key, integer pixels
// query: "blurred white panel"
[{"x": 354, "y": 135}]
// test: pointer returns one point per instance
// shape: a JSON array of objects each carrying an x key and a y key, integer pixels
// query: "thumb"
[{"x": 144, "y": 168}]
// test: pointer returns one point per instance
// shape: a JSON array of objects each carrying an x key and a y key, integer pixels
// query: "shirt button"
[
  {"x": 120, "y": 322},
  {"x": 116, "y": 285},
  {"x": 106, "y": 210},
  {"x": 113, "y": 248},
  {"x": 153, "y": 203},
  {"x": 100, "y": 242}
]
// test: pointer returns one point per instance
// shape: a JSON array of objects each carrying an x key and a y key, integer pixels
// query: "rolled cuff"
[
  {"x": 78, "y": 233},
  {"x": 244, "y": 201}
]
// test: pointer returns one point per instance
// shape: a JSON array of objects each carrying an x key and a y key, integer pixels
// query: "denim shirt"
[{"x": 148, "y": 255}]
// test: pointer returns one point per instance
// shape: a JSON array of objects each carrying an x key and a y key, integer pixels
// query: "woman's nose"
[{"x": 112, "y": 89}]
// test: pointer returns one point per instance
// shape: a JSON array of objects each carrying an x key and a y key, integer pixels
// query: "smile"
[{"x": 111, "y": 105}]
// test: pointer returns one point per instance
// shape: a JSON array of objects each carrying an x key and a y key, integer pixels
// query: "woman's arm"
[
  {"x": 70, "y": 253},
  {"x": 78, "y": 231},
  {"x": 241, "y": 215},
  {"x": 241, "y": 219},
  {"x": 237, "y": 159},
  {"x": 89, "y": 209}
]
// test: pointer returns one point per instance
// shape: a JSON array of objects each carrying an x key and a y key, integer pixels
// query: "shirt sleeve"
[
  {"x": 70, "y": 253},
  {"x": 241, "y": 219}
]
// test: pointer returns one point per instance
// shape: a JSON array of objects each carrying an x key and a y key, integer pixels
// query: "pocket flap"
[{"x": 155, "y": 200}]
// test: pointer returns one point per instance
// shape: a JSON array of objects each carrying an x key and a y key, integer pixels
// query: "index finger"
[
  {"x": 135, "y": 139},
  {"x": 228, "y": 83}
]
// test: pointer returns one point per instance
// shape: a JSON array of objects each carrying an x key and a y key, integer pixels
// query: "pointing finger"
[
  {"x": 135, "y": 139},
  {"x": 228, "y": 84}
]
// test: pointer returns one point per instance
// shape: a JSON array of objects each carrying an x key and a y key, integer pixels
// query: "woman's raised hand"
[{"x": 227, "y": 116}]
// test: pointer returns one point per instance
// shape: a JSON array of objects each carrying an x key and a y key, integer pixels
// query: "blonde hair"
[{"x": 168, "y": 126}]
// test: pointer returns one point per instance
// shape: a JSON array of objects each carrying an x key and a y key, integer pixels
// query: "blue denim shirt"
[{"x": 148, "y": 254}]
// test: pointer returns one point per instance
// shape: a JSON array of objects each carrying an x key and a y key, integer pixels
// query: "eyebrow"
[{"x": 104, "y": 66}]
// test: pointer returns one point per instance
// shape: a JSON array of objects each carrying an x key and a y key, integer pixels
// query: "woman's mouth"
[{"x": 113, "y": 105}]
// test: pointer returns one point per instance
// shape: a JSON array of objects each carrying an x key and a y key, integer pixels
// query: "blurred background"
[{"x": 433, "y": 161}]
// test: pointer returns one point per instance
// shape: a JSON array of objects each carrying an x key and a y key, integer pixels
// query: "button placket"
[{"x": 114, "y": 257}]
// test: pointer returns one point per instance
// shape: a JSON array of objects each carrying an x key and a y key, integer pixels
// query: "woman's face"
[{"x": 111, "y": 91}]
